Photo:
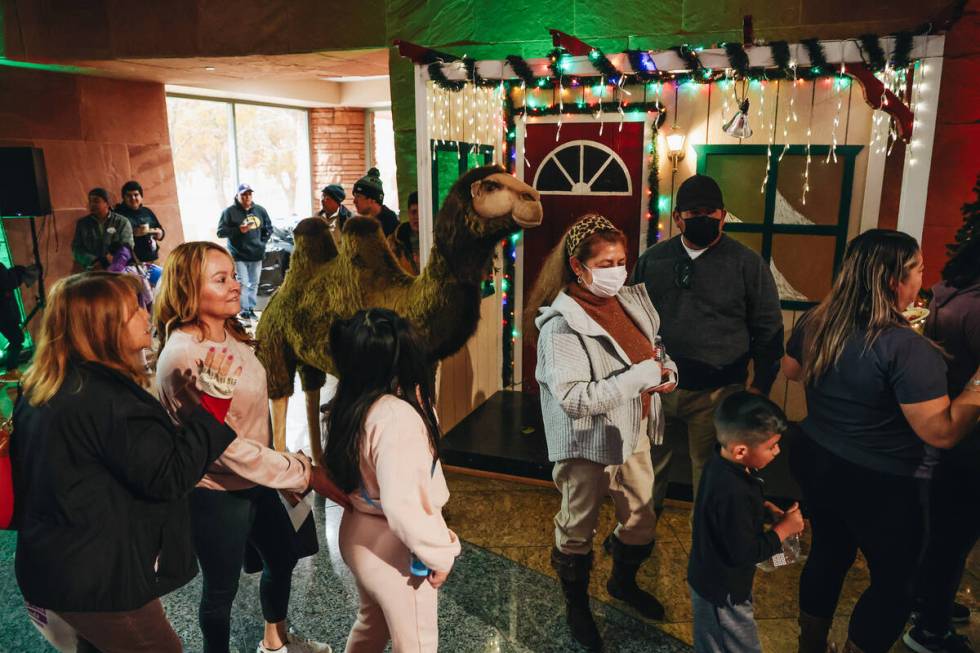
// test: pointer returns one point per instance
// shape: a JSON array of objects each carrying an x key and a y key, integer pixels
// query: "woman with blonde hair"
[
  {"x": 600, "y": 372},
  {"x": 101, "y": 473},
  {"x": 877, "y": 410},
  {"x": 235, "y": 503}
]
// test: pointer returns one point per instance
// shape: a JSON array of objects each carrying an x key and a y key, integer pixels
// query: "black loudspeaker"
[{"x": 23, "y": 182}]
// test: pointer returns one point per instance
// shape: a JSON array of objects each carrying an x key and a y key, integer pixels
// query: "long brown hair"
[
  {"x": 178, "y": 303},
  {"x": 557, "y": 273},
  {"x": 84, "y": 320},
  {"x": 864, "y": 297}
]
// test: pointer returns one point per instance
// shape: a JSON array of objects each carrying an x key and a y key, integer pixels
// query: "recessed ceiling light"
[{"x": 209, "y": 68}]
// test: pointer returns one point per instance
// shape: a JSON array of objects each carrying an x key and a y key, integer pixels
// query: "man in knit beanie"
[
  {"x": 368, "y": 197},
  {"x": 332, "y": 208},
  {"x": 100, "y": 233}
]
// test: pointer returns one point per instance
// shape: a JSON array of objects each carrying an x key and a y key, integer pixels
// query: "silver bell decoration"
[{"x": 738, "y": 125}]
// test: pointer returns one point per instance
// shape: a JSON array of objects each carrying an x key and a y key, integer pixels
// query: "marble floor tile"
[
  {"x": 503, "y": 595},
  {"x": 491, "y": 604}
]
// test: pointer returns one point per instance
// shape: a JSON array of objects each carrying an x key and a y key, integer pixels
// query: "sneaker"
[
  {"x": 960, "y": 614},
  {"x": 296, "y": 644},
  {"x": 252, "y": 315},
  {"x": 922, "y": 641},
  {"x": 244, "y": 315}
]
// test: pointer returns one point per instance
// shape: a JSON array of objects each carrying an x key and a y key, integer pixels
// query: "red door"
[{"x": 582, "y": 172}]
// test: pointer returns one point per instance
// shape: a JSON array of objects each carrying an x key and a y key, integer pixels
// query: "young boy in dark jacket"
[{"x": 729, "y": 538}]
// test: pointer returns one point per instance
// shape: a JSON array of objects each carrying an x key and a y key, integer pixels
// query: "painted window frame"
[
  {"x": 582, "y": 143},
  {"x": 462, "y": 149},
  {"x": 768, "y": 228}
]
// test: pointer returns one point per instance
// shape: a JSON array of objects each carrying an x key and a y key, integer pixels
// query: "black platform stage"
[{"x": 505, "y": 436}]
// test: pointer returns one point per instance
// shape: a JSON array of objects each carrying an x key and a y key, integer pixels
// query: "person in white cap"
[{"x": 248, "y": 228}]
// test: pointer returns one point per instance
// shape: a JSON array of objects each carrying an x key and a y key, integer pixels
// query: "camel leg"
[
  {"x": 279, "y": 407},
  {"x": 313, "y": 424},
  {"x": 312, "y": 380},
  {"x": 280, "y": 368}
]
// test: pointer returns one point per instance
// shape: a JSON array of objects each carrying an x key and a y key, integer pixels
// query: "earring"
[{"x": 579, "y": 280}]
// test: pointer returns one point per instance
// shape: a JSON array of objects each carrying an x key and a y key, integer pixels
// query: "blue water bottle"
[{"x": 417, "y": 567}]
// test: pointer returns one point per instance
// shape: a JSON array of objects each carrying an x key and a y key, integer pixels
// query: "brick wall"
[{"x": 337, "y": 144}]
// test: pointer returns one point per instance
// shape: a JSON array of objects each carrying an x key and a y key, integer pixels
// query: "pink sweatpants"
[{"x": 394, "y": 604}]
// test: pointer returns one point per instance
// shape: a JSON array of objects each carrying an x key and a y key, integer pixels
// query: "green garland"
[
  {"x": 581, "y": 108},
  {"x": 781, "y": 56},
  {"x": 737, "y": 59},
  {"x": 818, "y": 60},
  {"x": 439, "y": 78},
  {"x": 641, "y": 61},
  {"x": 902, "y": 50},
  {"x": 872, "y": 50},
  {"x": 556, "y": 58},
  {"x": 473, "y": 76},
  {"x": 653, "y": 184},
  {"x": 602, "y": 64},
  {"x": 689, "y": 56},
  {"x": 521, "y": 69}
]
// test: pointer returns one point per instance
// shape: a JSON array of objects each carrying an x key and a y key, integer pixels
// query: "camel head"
[
  {"x": 500, "y": 195},
  {"x": 486, "y": 204}
]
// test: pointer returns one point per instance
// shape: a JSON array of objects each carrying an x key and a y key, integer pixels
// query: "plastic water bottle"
[
  {"x": 659, "y": 354},
  {"x": 417, "y": 567},
  {"x": 791, "y": 553}
]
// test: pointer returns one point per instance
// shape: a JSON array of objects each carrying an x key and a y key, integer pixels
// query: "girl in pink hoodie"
[{"x": 382, "y": 450}]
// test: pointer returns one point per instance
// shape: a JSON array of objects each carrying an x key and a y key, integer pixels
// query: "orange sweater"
[{"x": 609, "y": 314}]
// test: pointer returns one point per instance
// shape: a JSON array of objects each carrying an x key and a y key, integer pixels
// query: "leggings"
[
  {"x": 395, "y": 605},
  {"x": 954, "y": 525},
  {"x": 222, "y": 522},
  {"x": 853, "y": 508}
]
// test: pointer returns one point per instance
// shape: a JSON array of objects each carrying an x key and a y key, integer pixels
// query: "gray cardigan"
[{"x": 590, "y": 391}]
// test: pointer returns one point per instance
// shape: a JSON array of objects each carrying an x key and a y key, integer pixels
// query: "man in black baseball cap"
[
  {"x": 719, "y": 309},
  {"x": 700, "y": 212}
]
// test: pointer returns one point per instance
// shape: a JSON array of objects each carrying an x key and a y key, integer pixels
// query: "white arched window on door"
[{"x": 583, "y": 168}]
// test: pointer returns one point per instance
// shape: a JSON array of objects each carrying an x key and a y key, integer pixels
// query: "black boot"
[
  {"x": 622, "y": 585},
  {"x": 813, "y": 633},
  {"x": 573, "y": 572}
]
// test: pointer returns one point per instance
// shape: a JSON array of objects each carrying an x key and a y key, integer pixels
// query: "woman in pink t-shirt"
[{"x": 235, "y": 502}]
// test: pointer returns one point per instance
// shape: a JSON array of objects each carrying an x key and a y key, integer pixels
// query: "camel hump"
[
  {"x": 314, "y": 244},
  {"x": 311, "y": 227},
  {"x": 362, "y": 226}
]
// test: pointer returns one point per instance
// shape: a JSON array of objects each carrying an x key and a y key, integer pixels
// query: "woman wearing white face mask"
[{"x": 600, "y": 373}]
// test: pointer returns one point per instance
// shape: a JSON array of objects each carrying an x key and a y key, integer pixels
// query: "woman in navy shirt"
[{"x": 878, "y": 409}]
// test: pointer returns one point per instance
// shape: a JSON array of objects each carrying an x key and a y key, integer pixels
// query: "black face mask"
[{"x": 701, "y": 230}]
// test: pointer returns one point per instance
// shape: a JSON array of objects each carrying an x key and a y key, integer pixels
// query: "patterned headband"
[{"x": 586, "y": 226}]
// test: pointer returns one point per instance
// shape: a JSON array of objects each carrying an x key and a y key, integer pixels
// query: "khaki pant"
[
  {"x": 584, "y": 485},
  {"x": 689, "y": 413}
]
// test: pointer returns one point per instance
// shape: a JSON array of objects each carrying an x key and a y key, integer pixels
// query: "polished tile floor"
[{"x": 502, "y": 596}]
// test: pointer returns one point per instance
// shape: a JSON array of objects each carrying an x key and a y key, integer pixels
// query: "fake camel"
[{"x": 328, "y": 280}]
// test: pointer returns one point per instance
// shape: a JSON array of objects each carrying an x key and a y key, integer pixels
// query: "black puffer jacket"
[{"x": 101, "y": 478}]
